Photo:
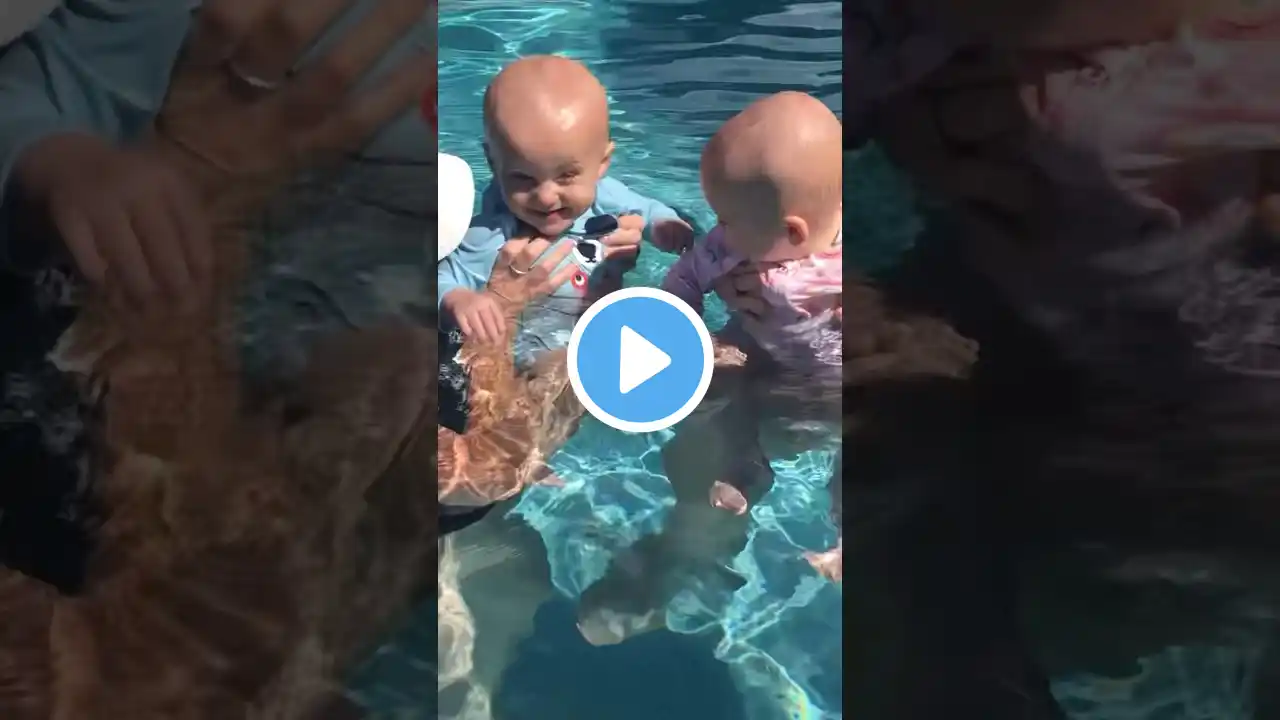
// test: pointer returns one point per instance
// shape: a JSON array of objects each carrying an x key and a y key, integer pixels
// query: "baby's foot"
[
  {"x": 726, "y": 497},
  {"x": 829, "y": 564}
]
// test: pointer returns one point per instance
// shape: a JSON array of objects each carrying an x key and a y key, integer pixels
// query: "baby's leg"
[
  {"x": 794, "y": 423},
  {"x": 696, "y": 543},
  {"x": 830, "y": 563},
  {"x": 746, "y": 481}
]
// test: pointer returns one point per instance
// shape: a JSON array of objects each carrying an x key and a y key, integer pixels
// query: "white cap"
[{"x": 457, "y": 193}]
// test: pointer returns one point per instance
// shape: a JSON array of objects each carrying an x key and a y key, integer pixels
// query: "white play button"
[{"x": 638, "y": 361}]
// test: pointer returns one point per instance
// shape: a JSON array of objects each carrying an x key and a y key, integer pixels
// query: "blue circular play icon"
[{"x": 640, "y": 360}]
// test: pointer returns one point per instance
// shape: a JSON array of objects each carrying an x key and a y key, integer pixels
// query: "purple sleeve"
[
  {"x": 692, "y": 276},
  {"x": 688, "y": 278}
]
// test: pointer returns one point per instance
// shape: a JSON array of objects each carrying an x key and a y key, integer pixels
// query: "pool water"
[{"x": 675, "y": 70}]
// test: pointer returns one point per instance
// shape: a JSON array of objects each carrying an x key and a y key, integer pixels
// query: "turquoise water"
[{"x": 675, "y": 70}]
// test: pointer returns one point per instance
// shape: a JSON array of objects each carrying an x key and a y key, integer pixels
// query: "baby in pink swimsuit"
[
  {"x": 802, "y": 294},
  {"x": 774, "y": 176}
]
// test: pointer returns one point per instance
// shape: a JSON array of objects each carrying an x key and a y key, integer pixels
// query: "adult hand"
[
  {"x": 528, "y": 269},
  {"x": 625, "y": 241},
  {"x": 243, "y": 115},
  {"x": 135, "y": 228},
  {"x": 742, "y": 291}
]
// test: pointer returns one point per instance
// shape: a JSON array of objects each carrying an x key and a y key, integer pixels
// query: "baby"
[
  {"x": 774, "y": 176},
  {"x": 546, "y": 124}
]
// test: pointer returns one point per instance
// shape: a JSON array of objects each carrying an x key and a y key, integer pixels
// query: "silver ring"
[
  {"x": 252, "y": 81},
  {"x": 514, "y": 271}
]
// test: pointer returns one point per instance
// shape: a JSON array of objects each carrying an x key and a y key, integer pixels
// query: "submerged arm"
[{"x": 514, "y": 422}]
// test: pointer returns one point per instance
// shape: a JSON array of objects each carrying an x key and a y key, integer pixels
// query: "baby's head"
[
  {"x": 546, "y": 127},
  {"x": 773, "y": 174}
]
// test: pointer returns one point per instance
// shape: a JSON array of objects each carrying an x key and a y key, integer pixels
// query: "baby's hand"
[
  {"x": 625, "y": 241},
  {"x": 673, "y": 236},
  {"x": 129, "y": 220},
  {"x": 478, "y": 315}
]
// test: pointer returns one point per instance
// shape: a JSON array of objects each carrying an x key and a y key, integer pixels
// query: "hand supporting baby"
[
  {"x": 480, "y": 313},
  {"x": 132, "y": 223}
]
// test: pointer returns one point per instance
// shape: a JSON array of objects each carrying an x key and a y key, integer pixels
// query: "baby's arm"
[
  {"x": 694, "y": 274},
  {"x": 662, "y": 225},
  {"x": 463, "y": 275},
  {"x": 467, "y": 269},
  {"x": 687, "y": 279},
  {"x": 615, "y": 197}
]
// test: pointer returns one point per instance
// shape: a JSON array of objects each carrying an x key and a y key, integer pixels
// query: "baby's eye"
[{"x": 569, "y": 177}]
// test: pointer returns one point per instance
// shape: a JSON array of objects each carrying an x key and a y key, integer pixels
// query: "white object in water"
[{"x": 456, "y": 194}]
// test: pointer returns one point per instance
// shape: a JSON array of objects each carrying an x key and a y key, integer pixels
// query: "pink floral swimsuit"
[{"x": 799, "y": 332}]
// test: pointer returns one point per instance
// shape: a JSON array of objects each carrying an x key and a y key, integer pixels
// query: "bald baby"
[
  {"x": 546, "y": 121},
  {"x": 546, "y": 137},
  {"x": 774, "y": 175}
]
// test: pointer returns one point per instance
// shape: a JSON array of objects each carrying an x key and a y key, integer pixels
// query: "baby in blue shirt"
[{"x": 547, "y": 141}]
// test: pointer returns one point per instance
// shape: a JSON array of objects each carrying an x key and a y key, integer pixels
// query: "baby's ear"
[
  {"x": 608, "y": 159},
  {"x": 797, "y": 230}
]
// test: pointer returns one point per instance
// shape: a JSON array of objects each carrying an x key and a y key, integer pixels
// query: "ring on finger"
[
  {"x": 249, "y": 79},
  {"x": 517, "y": 271}
]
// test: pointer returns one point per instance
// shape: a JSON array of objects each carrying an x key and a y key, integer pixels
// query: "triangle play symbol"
[{"x": 639, "y": 361}]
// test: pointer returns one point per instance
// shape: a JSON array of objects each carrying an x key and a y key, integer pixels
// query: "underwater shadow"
[{"x": 657, "y": 675}]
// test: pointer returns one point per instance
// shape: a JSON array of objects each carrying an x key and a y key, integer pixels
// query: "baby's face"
[{"x": 548, "y": 181}]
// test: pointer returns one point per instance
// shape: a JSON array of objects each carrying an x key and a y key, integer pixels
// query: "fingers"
[
  {"x": 195, "y": 236},
  {"x": 484, "y": 324},
  {"x": 630, "y": 222},
  {"x": 159, "y": 238},
  {"x": 740, "y": 291},
  {"x": 115, "y": 238},
  {"x": 493, "y": 325},
  {"x": 283, "y": 34},
  {"x": 325, "y": 83},
  {"x": 543, "y": 265},
  {"x": 464, "y": 324},
  {"x": 366, "y": 113},
  {"x": 220, "y": 26},
  {"x": 621, "y": 238},
  {"x": 549, "y": 260},
  {"x": 77, "y": 236},
  {"x": 618, "y": 252},
  {"x": 557, "y": 278},
  {"x": 537, "y": 255}
]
